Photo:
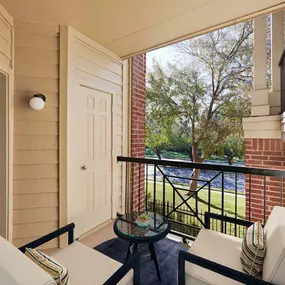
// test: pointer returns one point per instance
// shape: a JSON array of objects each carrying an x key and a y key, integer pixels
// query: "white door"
[{"x": 89, "y": 189}]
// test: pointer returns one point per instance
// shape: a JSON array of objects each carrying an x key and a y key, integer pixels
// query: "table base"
[{"x": 152, "y": 255}]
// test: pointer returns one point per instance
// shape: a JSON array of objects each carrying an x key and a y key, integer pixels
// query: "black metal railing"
[
  {"x": 239, "y": 192},
  {"x": 186, "y": 225}
]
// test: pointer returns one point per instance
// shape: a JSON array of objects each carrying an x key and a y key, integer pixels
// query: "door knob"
[{"x": 83, "y": 167}]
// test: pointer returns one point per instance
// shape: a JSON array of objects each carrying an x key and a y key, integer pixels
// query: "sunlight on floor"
[{"x": 96, "y": 238}]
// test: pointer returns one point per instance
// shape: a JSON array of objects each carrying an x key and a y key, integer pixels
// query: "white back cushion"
[
  {"x": 17, "y": 269},
  {"x": 274, "y": 262}
]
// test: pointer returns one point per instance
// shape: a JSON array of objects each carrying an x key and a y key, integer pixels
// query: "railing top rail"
[{"x": 215, "y": 167}]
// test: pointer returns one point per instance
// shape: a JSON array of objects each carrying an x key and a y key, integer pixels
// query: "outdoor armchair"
[
  {"x": 214, "y": 258},
  {"x": 85, "y": 265}
]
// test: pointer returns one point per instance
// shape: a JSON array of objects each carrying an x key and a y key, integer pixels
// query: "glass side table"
[{"x": 126, "y": 229}]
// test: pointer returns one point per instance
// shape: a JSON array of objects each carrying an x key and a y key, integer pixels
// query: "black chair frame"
[{"x": 133, "y": 262}]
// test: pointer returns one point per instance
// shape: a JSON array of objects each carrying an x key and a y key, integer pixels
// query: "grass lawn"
[
  {"x": 216, "y": 200},
  {"x": 167, "y": 154}
]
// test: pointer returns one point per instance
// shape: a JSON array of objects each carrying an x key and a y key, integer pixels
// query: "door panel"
[{"x": 91, "y": 148}]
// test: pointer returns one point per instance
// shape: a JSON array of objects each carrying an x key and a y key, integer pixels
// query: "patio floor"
[{"x": 99, "y": 236}]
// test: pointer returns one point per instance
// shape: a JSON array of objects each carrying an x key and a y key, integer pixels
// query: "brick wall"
[
  {"x": 138, "y": 101},
  {"x": 263, "y": 153}
]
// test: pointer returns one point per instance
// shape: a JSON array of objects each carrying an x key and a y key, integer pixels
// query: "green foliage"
[
  {"x": 233, "y": 147},
  {"x": 158, "y": 131},
  {"x": 180, "y": 139},
  {"x": 197, "y": 104}
]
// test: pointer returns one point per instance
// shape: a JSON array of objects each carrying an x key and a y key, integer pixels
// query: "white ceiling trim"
[{"x": 133, "y": 42}]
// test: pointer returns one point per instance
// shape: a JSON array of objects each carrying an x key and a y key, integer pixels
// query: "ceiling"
[{"x": 128, "y": 27}]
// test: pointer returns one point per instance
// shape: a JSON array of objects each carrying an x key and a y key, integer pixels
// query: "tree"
[
  {"x": 216, "y": 72},
  {"x": 157, "y": 134},
  {"x": 158, "y": 127},
  {"x": 234, "y": 146},
  {"x": 180, "y": 139}
]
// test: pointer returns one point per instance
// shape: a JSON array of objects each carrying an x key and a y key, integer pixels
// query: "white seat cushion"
[
  {"x": 86, "y": 266},
  {"x": 18, "y": 269},
  {"x": 219, "y": 248},
  {"x": 274, "y": 262}
]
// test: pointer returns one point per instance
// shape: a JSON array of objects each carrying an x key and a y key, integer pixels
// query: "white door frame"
[
  {"x": 68, "y": 82},
  {"x": 9, "y": 118}
]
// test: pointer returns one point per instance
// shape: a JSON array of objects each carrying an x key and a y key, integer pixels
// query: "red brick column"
[
  {"x": 263, "y": 153},
  {"x": 138, "y": 101}
]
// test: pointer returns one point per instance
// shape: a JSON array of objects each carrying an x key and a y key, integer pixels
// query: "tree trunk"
[
  {"x": 229, "y": 156},
  {"x": 230, "y": 160},
  {"x": 158, "y": 153},
  {"x": 196, "y": 172}
]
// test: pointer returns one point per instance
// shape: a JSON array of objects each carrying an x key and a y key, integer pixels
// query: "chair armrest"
[
  {"x": 42, "y": 240},
  {"x": 209, "y": 216},
  {"x": 215, "y": 267},
  {"x": 132, "y": 263}
]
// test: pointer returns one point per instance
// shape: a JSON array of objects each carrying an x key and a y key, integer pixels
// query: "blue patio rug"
[{"x": 167, "y": 255}]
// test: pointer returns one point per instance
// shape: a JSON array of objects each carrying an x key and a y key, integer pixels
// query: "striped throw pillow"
[
  {"x": 57, "y": 271},
  {"x": 253, "y": 249}
]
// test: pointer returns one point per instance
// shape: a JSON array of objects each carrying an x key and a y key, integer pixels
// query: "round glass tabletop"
[{"x": 125, "y": 227}]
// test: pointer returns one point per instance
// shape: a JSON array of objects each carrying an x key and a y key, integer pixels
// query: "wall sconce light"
[{"x": 38, "y": 101}]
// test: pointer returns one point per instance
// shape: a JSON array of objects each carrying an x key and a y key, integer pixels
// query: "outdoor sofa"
[
  {"x": 85, "y": 265},
  {"x": 214, "y": 257}
]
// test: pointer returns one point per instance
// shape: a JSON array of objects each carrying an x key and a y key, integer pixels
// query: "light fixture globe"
[{"x": 37, "y": 102}]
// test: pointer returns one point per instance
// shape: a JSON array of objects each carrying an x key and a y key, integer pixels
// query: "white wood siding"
[
  {"x": 35, "y": 195},
  {"x": 6, "y": 39}
]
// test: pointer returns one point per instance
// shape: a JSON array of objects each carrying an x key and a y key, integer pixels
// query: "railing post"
[
  {"x": 249, "y": 199},
  {"x": 264, "y": 219},
  {"x": 146, "y": 187},
  {"x": 209, "y": 197},
  {"x": 281, "y": 192},
  {"x": 173, "y": 197},
  {"x": 223, "y": 199},
  {"x": 132, "y": 188},
  {"x": 154, "y": 187},
  {"x": 127, "y": 188},
  {"x": 196, "y": 202},
  {"x": 163, "y": 197},
  {"x": 139, "y": 189},
  {"x": 236, "y": 201}
]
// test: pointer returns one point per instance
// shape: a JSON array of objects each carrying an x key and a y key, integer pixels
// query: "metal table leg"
[
  {"x": 153, "y": 256},
  {"x": 129, "y": 252},
  {"x": 135, "y": 248},
  {"x": 150, "y": 250}
]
